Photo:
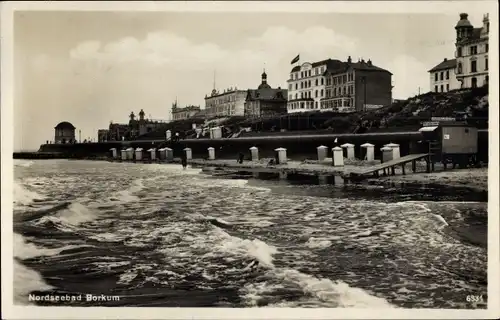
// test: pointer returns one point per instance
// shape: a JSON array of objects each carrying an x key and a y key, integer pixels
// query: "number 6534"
[{"x": 473, "y": 298}]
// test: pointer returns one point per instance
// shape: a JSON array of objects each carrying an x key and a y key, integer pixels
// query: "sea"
[{"x": 156, "y": 235}]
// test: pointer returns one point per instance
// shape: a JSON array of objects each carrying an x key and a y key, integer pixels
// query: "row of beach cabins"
[{"x": 390, "y": 152}]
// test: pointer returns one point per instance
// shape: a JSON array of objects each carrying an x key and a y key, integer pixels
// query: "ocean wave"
[
  {"x": 25, "y": 282},
  {"x": 23, "y": 163},
  {"x": 338, "y": 293},
  {"x": 23, "y": 196}
]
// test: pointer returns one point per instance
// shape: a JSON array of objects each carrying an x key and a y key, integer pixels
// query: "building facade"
[
  {"x": 64, "y": 132},
  {"x": 356, "y": 86},
  {"x": 472, "y": 47},
  {"x": 443, "y": 77},
  {"x": 230, "y": 103},
  {"x": 132, "y": 130},
  {"x": 265, "y": 101},
  {"x": 102, "y": 135},
  {"x": 184, "y": 113},
  {"x": 306, "y": 86}
]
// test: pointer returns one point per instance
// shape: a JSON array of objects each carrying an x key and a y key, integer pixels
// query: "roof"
[
  {"x": 463, "y": 22},
  {"x": 334, "y": 66},
  {"x": 445, "y": 64},
  {"x": 267, "y": 94},
  {"x": 65, "y": 125},
  {"x": 342, "y": 67}
]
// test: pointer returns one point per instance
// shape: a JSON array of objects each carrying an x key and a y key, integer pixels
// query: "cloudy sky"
[{"x": 93, "y": 67}]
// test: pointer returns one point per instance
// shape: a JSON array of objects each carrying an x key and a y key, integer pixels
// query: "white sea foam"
[
  {"x": 23, "y": 196},
  {"x": 75, "y": 214},
  {"x": 314, "y": 243},
  {"x": 23, "y": 163},
  {"x": 26, "y": 281},
  {"x": 337, "y": 293},
  {"x": 24, "y": 250}
]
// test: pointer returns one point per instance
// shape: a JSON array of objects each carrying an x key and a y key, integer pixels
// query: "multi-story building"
[
  {"x": 265, "y": 101},
  {"x": 184, "y": 113},
  {"x": 134, "y": 128},
  {"x": 443, "y": 77},
  {"x": 472, "y": 52},
  {"x": 102, "y": 135},
  {"x": 117, "y": 131},
  {"x": 356, "y": 86},
  {"x": 227, "y": 104},
  {"x": 306, "y": 86}
]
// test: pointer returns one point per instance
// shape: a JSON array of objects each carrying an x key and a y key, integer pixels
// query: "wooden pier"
[{"x": 392, "y": 164}]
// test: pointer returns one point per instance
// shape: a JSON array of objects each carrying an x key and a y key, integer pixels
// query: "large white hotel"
[{"x": 470, "y": 67}]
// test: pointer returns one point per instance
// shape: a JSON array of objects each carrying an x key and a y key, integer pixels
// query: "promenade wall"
[{"x": 299, "y": 147}]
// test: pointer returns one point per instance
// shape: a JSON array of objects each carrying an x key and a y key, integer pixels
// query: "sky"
[{"x": 90, "y": 67}]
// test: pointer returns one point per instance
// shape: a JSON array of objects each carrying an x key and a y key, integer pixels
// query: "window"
[
  {"x": 296, "y": 86},
  {"x": 459, "y": 68},
  {"x": 486, "y": 48},
  {"x": 486, "y": 63},
  {"x": 447, "y": 74},
  {"x": 316, "y": 93},
  {"x": 436, "y": 76},
  {"x": 296, "y": 96},
  {"x": 290, "y": 97},
  {"x": 321, "y": 93},
  {"x": 441, "y": 75},
  {"x": 316, "y": 104},
  {"x": 474, "y": 82},
  {"x": 473, "y": 66},
  {"x": 447, "y": 87},
  {"x": 302, "y": 85},
  {"x": 435, "y": 88},
  {"x": 322, "y": 82},
  {"x": 473, "y": 50},
  {"x": 309, "y": 83},
  {"x": 290, "y": 86},
  {"x": 442, "y": 88},
  {"x": 459, "y": 51},
  {"x": 302, "y": 95},
  {"x": 316, "y": 80}
]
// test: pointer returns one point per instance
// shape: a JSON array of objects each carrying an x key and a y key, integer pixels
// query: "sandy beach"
[{"x": 471, "y": 178}]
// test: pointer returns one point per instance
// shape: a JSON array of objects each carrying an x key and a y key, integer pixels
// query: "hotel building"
[
  {"x": 356, "y": 86},
  {"x": 443, "y": 77},
  {"x": 306, "y": 86},
  {"x": 472, "y": 46},
  {"x": 227, "y": 104},
  {"x": 265, "y": 101}
]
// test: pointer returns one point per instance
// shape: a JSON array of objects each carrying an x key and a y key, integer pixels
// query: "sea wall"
[{"x": 298, "y": 147}]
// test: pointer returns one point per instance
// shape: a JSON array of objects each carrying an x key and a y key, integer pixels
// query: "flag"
[{"x": 296, "y": 59}]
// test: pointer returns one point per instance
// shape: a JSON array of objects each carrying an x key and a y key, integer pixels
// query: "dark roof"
[
  {"x": 264, "y": 86},
  {"x": 463, "y": 22},
  {"x": 267, "y": 94},
  {"x": 334, "y": 66},
  {"x": 476, "y": 33},
  {"x": 341, "y": 67},
  {"x": 64, "y": 125},
  {"x": 445, "y": 64}
]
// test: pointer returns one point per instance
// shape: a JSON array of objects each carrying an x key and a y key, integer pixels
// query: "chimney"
[
  {"x": 369, "y": 62},
  {"x": 445, "y": 59},
  {"x": 349, "y": 60}
]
